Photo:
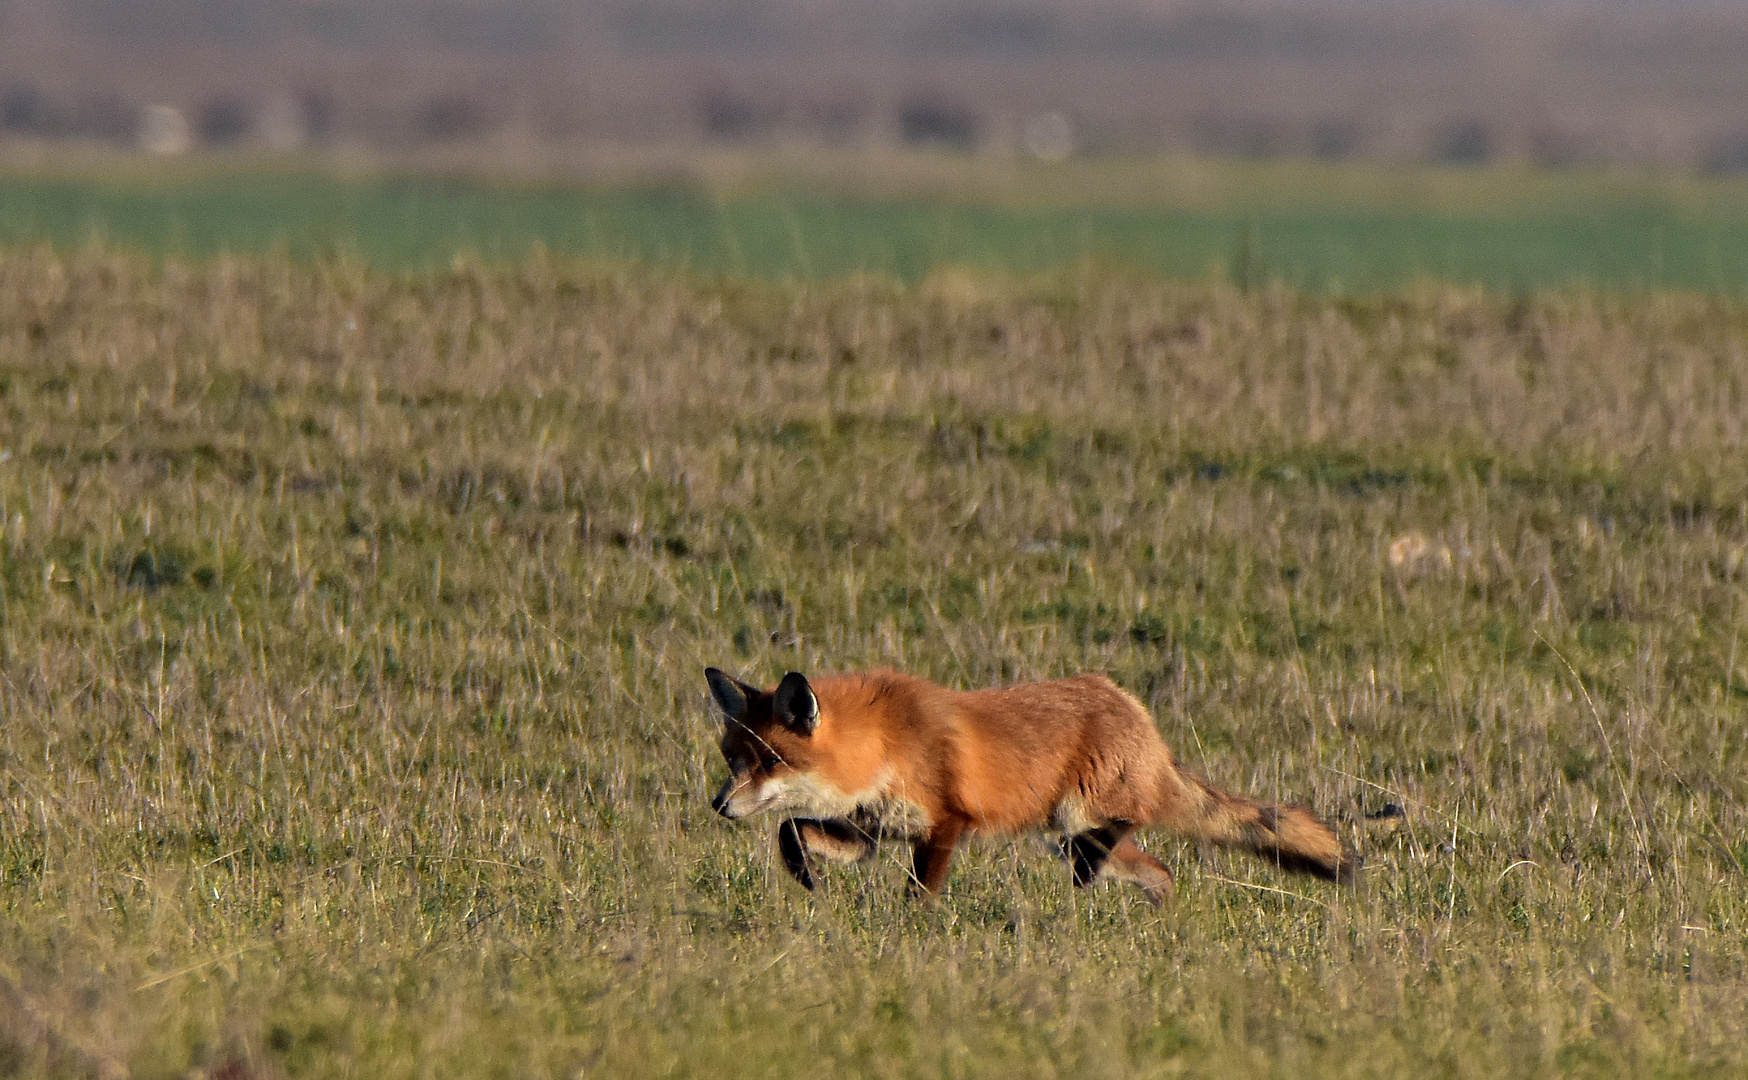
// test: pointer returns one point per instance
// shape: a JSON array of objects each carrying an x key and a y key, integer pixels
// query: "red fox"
[{"x": 854, "y": 759}]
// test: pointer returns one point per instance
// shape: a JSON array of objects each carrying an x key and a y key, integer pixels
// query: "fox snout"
[{"x": 720, "y": 802}]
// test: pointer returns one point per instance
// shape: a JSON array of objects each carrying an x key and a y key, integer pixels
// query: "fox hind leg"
[
  {"x": 1089, "y": 851},
  {"x": 1130, "y": 863},
  {"x": 1107, "y": 851},
  {"x": 831, "y": 838}
]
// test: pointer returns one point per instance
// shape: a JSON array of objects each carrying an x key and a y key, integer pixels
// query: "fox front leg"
[
  {"x": 830, "y": 838},
  {"x": 932, "y": 855}
]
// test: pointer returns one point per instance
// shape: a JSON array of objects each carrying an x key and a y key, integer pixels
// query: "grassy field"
[
  {"x": 352, "y": 631},
  {"x": 1334, "y": 228}
]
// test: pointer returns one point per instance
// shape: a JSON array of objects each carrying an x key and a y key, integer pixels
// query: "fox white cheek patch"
[
  {"x": 795, "y": 793},
  {"x": 749, "y": 798},
  {"x": 770, "y": 793}
]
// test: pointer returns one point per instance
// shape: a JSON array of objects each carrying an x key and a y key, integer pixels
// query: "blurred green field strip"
[{"x": 1321, "y": 243}]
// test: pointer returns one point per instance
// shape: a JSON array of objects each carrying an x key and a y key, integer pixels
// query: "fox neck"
[
  {"x": 882, "y": 804},
  {"x": 809, "y": 795}
]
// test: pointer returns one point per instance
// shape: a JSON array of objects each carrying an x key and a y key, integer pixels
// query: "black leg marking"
[
  {"x": 1088, "y": 851},
  {"x": 794, "y": 851}
]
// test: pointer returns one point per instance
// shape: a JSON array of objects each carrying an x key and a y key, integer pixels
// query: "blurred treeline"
[{"x": 551, "y": 82}]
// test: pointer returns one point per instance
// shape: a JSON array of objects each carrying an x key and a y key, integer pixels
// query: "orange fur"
[{"x": 856, "y": 758}]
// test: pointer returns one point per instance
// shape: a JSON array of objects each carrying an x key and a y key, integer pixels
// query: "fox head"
[{"x": 767, "y": 742}]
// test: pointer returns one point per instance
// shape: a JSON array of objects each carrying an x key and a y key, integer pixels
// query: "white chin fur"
[
  {"x": 808, "y": 796},
  {"x": 801, "y": 795},
  {"x": 743, "y": 807}
]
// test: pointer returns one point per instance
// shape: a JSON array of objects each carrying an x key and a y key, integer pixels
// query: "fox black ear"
[
  {"x": 795, "y": 704},
  {"x": 732, "y": 696}
]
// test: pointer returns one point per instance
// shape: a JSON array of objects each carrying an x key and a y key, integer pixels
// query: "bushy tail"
[{"x": 1286, "y": 835}]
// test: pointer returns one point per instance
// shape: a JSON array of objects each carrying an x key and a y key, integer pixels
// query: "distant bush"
[
  {"x": 223, "y": 120},
  {"x": 938, "y": 120}
]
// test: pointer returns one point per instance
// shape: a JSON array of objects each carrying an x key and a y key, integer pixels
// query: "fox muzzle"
[
  {"x": 720, "y": 801},
  {"x": 741, "y": 797}
]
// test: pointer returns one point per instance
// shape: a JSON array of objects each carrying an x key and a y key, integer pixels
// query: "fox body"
[{"x": 853, "y": 759}]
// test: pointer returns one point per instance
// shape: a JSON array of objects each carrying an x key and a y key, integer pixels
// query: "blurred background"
[
  {"x": 539, "y": 83},
  {"x": 1229, "y": 107}
]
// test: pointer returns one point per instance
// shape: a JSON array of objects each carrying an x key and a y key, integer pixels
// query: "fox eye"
[{"x": 769, "y": 762}]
